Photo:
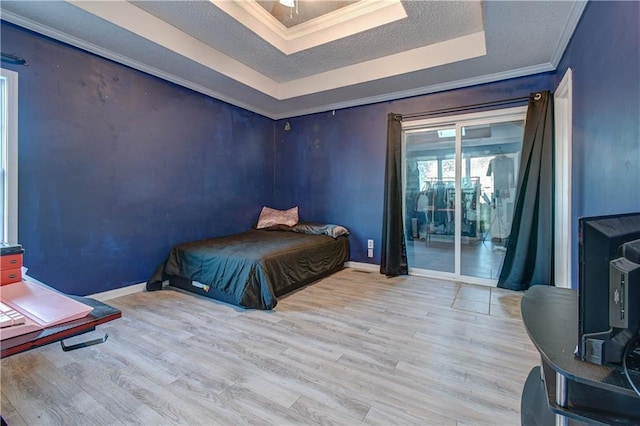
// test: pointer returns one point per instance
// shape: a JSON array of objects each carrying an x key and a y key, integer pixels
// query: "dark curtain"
[
  {"x": 394, "y": 251},
  {"x": 529, "y": 257}
]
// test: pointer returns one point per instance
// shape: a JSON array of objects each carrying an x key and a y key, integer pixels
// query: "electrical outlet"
[
  {"x": 369, "y": 244},
  {"x": 370, "y": 252}
]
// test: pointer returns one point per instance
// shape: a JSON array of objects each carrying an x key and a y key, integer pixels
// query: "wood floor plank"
[
  {"x": 97, "y": 382},
  {"x": 354, "y": 348},
  {"x": 10, "y": 414}
]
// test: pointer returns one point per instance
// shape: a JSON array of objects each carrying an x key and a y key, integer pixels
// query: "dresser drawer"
[
  {"x": 11, "y": 261},
  {"x": 9, "y": 276}
]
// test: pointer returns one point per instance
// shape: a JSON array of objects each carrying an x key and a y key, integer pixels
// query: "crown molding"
[
  {"x": 344, "y": 22},
  {"x": 339, "y": 78},
  {"x": 135, "y": 20},
  {"x": 577, "y": 8},
  {"x": 489, "y": 78},
  {"x": 121, "y": 59},
  {"x": 446, "y": 52},
  {"x": 147, "y": 26}
]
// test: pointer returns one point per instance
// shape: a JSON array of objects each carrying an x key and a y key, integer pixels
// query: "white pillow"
[{"x": 270, "y": 217}]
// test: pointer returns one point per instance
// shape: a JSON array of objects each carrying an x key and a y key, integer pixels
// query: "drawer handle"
[
  {"x": 13, "y": 275},
  {"x": 13, "y": 261}
]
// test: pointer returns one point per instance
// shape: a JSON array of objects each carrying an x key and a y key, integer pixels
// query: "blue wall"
[
  {"x": 604, "y": 55},
  {"x": 116, "y": 166},
  {"x": 332, "y": 166}
]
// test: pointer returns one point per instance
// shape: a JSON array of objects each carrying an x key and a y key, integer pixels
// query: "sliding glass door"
[
  {"x": 460, "y": 185},
  {"x": 430, "y": 196}
]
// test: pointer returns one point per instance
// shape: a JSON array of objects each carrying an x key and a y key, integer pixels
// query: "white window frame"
[{"x": 9, "y": 146}]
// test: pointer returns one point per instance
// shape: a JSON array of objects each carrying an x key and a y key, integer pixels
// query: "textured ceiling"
[
  {"x": 439, "y": 45},
  {"x": 304, "y": 11}
]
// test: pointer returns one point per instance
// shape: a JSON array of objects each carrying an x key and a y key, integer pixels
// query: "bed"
[{"x": 253, "y": 268}]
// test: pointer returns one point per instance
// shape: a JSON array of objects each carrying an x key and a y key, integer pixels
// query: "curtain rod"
[
  {"x": 417, "y": 115},
  {"x": 13, "y": 59}
]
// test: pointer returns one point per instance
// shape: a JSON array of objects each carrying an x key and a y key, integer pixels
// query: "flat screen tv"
[{"x": 602, "y": 239}]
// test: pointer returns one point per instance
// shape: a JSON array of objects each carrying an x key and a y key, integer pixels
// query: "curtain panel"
[
  {"x": 529, "y": 257},
  {"x": 393, "y": 260}
]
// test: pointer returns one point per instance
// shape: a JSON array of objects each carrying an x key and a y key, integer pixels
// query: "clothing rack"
[
  {"x": 430, "y": 182},
  {"x": 439, "y": 195}
]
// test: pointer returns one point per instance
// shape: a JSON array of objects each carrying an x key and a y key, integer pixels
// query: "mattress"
[{"x": 253, "y": 268}]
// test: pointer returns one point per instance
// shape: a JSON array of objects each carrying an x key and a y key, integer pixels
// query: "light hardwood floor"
[
  {"x": 480, "y": 259},
  {"x": 354, "y": 348}
]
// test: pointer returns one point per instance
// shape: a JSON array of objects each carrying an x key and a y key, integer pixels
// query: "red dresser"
[{"x": 10, "y": 263}]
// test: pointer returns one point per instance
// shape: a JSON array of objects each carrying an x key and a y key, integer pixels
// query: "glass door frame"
[{"x": 457, "y": 122}]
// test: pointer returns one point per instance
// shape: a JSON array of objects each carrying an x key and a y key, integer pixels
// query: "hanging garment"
[{"x": 502, "y": 169}]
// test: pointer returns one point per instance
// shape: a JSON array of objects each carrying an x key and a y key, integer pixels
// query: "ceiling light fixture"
[{"x": 291, "y": 4}]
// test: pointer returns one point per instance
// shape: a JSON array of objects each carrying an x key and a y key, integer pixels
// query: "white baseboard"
[
  {"x": 364, "y": 266},
  {"x": 135, "y": 288},
  {"x": 118, "y": 292},
  {"x": 105, "y": 295}
]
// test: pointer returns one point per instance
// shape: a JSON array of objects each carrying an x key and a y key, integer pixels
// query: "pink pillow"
[{"x": 270, "y": 217}]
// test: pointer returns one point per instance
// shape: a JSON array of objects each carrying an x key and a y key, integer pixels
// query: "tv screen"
[{"x": 600, "y": 241}]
